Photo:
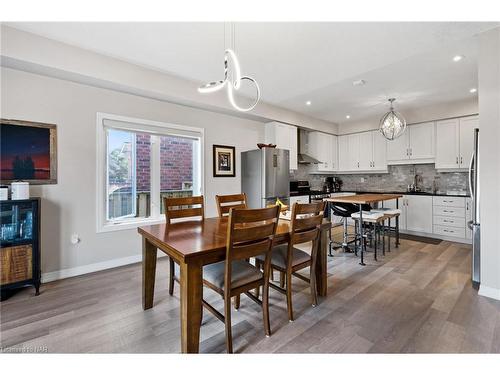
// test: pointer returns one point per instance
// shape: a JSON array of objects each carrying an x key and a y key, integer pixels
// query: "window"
[{"x": 139, "y": 163}]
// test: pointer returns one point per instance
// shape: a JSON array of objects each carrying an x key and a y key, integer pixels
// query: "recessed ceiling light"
[
  {"x": 472, "y": 91},
  {"x": 457, "y": 58},
  {"x": 359, "y": 82},
  {"x": 347, "y": 116},
  {"x": 308, "y": 102}
]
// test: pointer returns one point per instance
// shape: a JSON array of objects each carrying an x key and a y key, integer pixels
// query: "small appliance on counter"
[
  {"x": 20, "y": 190},
  {"x": 332, "y": 184}
]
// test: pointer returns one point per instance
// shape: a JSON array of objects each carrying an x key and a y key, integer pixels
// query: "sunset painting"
[{"x": 25, "y": 153}]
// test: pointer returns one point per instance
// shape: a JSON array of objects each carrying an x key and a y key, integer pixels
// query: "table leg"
[
  {"x": 361, "y": 235},
  {"x": 321, "y": 264},
  {"x": 191, "y": 296},
  {"x": 397, "y": 225},
  {"x": 149, "y": 252}
]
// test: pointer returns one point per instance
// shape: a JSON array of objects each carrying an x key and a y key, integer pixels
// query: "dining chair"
[
  {"x": 178, "y": 209},
  {"x": 306, "y": 219},
  {"x": 250, "y": 233},
  {"x": 226, "y": 202}
]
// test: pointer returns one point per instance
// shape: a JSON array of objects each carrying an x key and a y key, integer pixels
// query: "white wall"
[
  {"x": 489, "y": 161},
  {"x": 70, "y": 206},
  {"x": 422, "y": 114}
]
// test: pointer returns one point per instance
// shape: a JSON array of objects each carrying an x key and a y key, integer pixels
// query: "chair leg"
[
  {"x": 258, "y": 264},
  {"x": 314, "y": 294},
  {"x": 237, "y": 302},
  {"x": 265, "y": 307},
  {"x": 282, "y": 279},
  {"x": 289, "y": 295},
  {"x": 227, "y": 316},
  {"x": 171, "y": 276}
]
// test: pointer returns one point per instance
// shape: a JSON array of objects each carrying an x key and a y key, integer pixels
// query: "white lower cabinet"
[
  {"x": 418, "y": 213},
  {"x": 449, "y": 216},
  {"x": 435, "y": 215}
]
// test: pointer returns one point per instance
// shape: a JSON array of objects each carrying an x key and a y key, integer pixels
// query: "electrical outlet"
[
  {"x": 362, "y": 179},
  {"x": 75, "y": 238}
]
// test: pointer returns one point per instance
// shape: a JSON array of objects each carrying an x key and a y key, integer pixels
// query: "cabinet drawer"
[
  {"x": 450, "y": 221},
  {"x": 449, "y": 231},
  {"x": 449, "y": 201},
  {"x": 449, "y": 211}
]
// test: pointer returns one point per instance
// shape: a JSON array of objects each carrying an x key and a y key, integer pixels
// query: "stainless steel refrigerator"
[
  {"x": 475, "y": 224},
  {"x": 265, "y": 176}
]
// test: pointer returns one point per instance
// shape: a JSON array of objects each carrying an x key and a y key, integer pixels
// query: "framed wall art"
[
  {"x": 28, "y": 152},
  {"x": 224, "y": 161}
]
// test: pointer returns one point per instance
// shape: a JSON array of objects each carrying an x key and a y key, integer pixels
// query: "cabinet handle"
[
  {"x": 461, "y": 160},
  {"x": 456, "y": 160},
  {"x": 358, "y": 164},
  {"x": 448, "y": 211},
  {"x": 448, "y": 221},
  {"x": 407, "y": 152},
  {"x": 411, "y": 151}
]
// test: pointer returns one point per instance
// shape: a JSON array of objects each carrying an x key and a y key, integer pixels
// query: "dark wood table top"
[
  {"x": 195, "y": 238},
  {"x": 364, "y": 198}
]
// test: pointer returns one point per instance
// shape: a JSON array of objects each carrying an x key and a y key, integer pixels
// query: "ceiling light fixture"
[
  {"x": 359, "y": 82},
  {"x": 392, "y": 124},
  {"x": 348, "y": 117},
  {"x": 457, "y": 58},
  {"x": 473, "y": 90},
  {"x": 308, "y": 102},
  {"x": 231, "y": 68}
]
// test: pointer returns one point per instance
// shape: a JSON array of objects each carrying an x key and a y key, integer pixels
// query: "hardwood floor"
[{"x": 416, "y": 299}]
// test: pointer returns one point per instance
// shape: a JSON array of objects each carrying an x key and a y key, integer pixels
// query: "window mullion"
[{"x": 155, "y": 177}]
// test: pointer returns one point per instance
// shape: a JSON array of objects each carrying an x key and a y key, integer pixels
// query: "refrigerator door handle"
[{"x": 471, "y": 188}]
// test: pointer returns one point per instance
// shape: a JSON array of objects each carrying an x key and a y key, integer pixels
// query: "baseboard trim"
[
  {"x": 89, "y": 268},
  {"x": 487, "y": 291}
]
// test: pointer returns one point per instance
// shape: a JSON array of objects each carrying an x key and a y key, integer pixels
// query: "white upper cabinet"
[
  {"x": 467, "y": 126},
  {"x": 379, "y": 152},
  {"x": 343, "y": 146},
  {"x": 422, "y": 142},
  {"x": 362, "y": 152},
  {"x": 454, "y": 142},
  {"x": 285, "y": 137},
  {"x": 323, "y": 147},
  {"x": 447, "y": 147},
  {"x": 365, "y": 152},
  {"x": 416, "y": 145}
]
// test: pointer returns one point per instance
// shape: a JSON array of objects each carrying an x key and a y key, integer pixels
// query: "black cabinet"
[{"x": 19, "y": 244}]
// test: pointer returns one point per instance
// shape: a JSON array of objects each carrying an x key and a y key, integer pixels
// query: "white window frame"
[{"x": 157, "y": 129}]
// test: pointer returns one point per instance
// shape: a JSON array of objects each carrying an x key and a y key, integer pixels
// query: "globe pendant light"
[
  {"x": 392, "y": 124},
  {"x": 233, "y": 84}
]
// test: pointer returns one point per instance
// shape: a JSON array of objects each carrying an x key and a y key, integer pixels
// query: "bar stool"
[
  {"x": 375, "y": 220},
  {"x": 390, "y": 213},
  {"x": 344, "y": 211}
]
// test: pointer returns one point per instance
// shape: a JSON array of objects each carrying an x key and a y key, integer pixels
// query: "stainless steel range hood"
[{"x": 303, "y": 157}]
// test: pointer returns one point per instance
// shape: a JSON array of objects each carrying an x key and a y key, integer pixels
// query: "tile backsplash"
[{"x": 398, "y": 178}]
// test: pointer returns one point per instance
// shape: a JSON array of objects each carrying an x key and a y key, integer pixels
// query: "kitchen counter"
[{"x": 440, "y": 194}]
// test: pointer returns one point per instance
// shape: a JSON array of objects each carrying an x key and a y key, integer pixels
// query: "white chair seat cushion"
[
  {"x": 387, "y": 211},
  {"x": 242, "y": 273},
  {"x": 368, "y": 215}
]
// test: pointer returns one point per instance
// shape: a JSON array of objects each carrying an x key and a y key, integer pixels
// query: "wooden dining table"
[
  {"x": 193, "y": 244},
  {"x": 360, "y": 200}
]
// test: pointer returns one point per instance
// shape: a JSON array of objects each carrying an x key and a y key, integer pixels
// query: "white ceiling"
[{"x": 296, "y": 62}]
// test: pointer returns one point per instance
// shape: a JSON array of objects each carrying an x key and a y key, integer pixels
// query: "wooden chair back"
[
  {"x": 226, "y": 202},
  {"x": 250, "y": 232},
  {"x": 306, "y": 221},
  {"x": 177, "y": 208}
]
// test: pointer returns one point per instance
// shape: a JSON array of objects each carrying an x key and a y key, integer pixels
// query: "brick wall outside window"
[{"x": 176, "y": 162}]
